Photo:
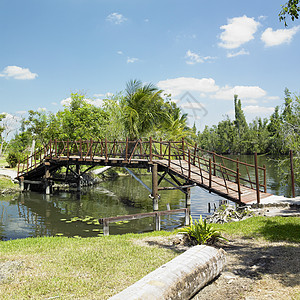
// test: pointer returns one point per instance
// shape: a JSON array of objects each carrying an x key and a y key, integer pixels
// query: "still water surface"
[{"x": 31, "y": 214}]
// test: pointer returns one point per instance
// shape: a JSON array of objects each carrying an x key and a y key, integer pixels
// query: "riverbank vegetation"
[
  {"x": 144, "y": 111},
  {"x": 68, "y": 268}
]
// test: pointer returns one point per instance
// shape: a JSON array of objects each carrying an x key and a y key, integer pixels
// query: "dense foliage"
[
  {"x": 140, "y": 113},
  {"x": 276, "y": 135}
]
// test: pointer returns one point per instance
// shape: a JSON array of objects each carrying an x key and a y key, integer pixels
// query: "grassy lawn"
[
  {"x": 271, "y": 229},
  {"x": 6, "y": 183},
  {"x": 69, "y": 268},
  {"x": 97, "y": 268}
]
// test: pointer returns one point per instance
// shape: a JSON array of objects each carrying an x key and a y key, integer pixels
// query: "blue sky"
[{"x": 211, "y": 49}]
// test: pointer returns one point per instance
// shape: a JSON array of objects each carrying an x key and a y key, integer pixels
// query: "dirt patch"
[
  {"x": 8, "y": 269},
  {"x": 255, "y": 269}
]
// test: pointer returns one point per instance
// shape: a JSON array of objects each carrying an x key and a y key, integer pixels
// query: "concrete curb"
[{"x": 180, "y": 278}]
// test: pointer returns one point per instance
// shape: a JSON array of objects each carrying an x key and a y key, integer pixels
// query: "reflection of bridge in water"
[{"x": 181, "y": 164}]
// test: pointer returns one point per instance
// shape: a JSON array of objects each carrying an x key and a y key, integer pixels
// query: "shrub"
[
  {"x": 202, "y": 232},
  {"x": 12, "y": 159}
]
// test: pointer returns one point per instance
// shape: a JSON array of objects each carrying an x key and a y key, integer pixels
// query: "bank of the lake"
[{"x": 259, "y": 260}]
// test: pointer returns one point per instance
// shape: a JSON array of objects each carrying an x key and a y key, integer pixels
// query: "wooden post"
[
  {"x": 27, "y": 163},
  {"x": 160, "y": 148},
  {"x": 22, "y": 186},
  {"x": 188, "y": 197},
  {"x": 80, "y": 149},
  {"x": 256, "y": 179},
  {"x": 292, "y": 174},
  {"x": 106, "y": 157},
  {"x": 238, "y": 183},
  {"x": 126, "y": 149},
  {"x": 157, "y": 222},
  {"x": 68, "y": 149},
  {"x": 91, "y": 149},
  {"x": 78, "y": 178},
  {"x": 189, "y": 164},
  {"x": 169, "y": 159},
  {"x": 150, "y": 149},
  {"x": 209, "y": 184},
  {"x": 187, "y": 217},
  {"x": 47, "y": 181},
  {"x": 195, "y": 153},
  {"x": 50, "y": 148},
  {"x": 105, "y": 227},
  {"x": 214, "y": 163},
  {"x": 265, "y": 178},
  {"x": 18, "y": 167},
  {"x": 155, "y": 187},
  {"x": 183, "y": 148}
]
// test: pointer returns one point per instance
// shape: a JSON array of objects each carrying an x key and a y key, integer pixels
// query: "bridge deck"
[{"x": 188, "y": 162}]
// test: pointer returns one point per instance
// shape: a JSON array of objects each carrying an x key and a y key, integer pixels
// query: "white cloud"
[
  {"x": 106, "y": 95},
  {"x": 54, "y": 103},
  {"x": 131, "y": 60},
  {"x": 277, "y": 37},
  {"x": 262, "y": 18},
  {"x": 120, "y": 52},
  {"x": 237, "y": 32},
  {"x": 18, "y": 73},
  {"x": 243, "y": 92},
  {"x": 249, "y": 101},
  {"x": 234, "y": 54},
  {"x": 273, "y": 98},
  {"x": 258, "y": 110},
  {"x": 193, "y": 58},
  {"x": 116, "y": 18},
  {"x": 21, "y": 112},
  {"x": 192, "y": 105},
  {"x": 179, "y": 85},
  {"x": 95, "y": 102}
]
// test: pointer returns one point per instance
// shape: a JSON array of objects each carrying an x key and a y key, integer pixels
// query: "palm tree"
[{"x": 143, "y": 109}]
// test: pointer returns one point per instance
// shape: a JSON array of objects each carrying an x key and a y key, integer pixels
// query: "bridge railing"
[{"x": 189, "y": 159}]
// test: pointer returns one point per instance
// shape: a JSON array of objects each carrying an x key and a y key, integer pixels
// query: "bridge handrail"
[{"x": 186, "y": 154}]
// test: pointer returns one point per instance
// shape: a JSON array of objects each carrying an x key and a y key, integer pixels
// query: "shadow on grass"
[{"x": 273, "y": 231}]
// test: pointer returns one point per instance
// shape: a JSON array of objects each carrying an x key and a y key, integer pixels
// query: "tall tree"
[
  {"x": 143, "y": 108},
  {"x": 241, "y": 125}
]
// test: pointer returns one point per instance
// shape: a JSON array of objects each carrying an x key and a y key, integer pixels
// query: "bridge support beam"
[
  {"x": 155, "y": 195},
  {"x": 22, "y": 184},
  {"x": 78, "y": 178},
  {"x": 47, "y": 180},
  {"x": 188, "y": 197}
]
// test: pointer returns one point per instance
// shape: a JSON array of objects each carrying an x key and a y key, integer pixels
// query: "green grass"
[
  {"x": 3, "y": 161},
  {"x": 6, "y": 183},
  {"x": 97, "y": 268},
  {"x": 69, "y": 268},
  {"x": 271, "y": 228}
]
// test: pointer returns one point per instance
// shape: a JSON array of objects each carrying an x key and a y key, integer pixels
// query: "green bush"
[
  {"x": 12, "y": 159},
  {"x": 202, "y": 232}
]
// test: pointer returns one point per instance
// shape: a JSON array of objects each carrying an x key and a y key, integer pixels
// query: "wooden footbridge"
[{"x": 181, "y": 164}]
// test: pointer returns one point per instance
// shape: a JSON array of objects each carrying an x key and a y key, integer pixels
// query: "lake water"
[{"x": 32, "y": 214}]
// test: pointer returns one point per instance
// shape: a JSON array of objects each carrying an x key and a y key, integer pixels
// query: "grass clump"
[{"x": 202, "y": 232}]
